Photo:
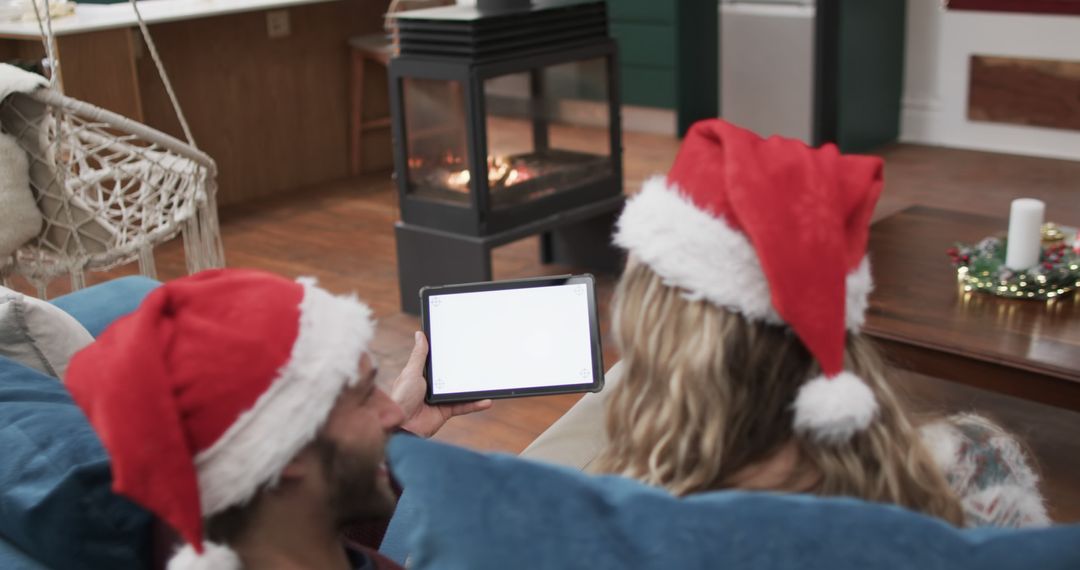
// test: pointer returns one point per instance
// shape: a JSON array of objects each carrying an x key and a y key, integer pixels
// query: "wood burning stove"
[{"x": 506, "y": 124}]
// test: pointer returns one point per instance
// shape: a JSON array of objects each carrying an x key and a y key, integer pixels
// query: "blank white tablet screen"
[{"x": 510, "y": 339}]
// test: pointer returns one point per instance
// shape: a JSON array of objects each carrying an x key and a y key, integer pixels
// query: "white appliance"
[{"x": 767, "y": 66}]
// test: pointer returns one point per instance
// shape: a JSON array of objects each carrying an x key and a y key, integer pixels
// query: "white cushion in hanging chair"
[{"x": 20, "y": 219}]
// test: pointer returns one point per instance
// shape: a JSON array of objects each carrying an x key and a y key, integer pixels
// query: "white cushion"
[
  {"x": 577, "y": 438},
  {"x": 20, "y": 219},
  {"x": 38, "y": 334}
]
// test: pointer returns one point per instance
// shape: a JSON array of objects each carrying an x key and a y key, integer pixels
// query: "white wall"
[{"x": 939, "y": 46}]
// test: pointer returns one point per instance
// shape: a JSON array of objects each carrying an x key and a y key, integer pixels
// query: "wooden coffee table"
[{"x": 928, "y": 324}]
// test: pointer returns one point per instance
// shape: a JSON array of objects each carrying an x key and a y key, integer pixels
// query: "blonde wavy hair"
[{"x": 706, "y": 393}]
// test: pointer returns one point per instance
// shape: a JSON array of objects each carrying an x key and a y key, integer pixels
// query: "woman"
[{"x": 742, "y": 366}]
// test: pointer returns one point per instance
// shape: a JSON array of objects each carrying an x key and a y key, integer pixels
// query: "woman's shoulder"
[{"x": 988, "y": 469}]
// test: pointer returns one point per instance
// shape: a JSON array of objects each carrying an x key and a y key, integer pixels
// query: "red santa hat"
[
  {"x": 205, "y": 393},
  {"x": 775, "y": 231}
]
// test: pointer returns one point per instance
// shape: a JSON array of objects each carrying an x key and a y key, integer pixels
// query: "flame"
[
  {"x": 459, "y": 179},
  {"x": 501, "y": 174},
  {"x": 498, "y": 169}
]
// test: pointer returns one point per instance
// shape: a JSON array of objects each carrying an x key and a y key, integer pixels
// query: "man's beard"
[{"x": 357, "y": 493}]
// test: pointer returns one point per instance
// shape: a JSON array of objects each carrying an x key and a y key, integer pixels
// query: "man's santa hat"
[
  {"x": 775, "y": 231},
  {"x": 204, "y": 394}
]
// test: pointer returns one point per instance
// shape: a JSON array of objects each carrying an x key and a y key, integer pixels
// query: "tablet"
[{"x": 504, "y": 339}]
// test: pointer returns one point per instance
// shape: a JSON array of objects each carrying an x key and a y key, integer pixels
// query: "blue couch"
[
  {"x": 474, "y": 511},
  {"x": 56, "y": 510},
  {"x": 492, "y": 512}
]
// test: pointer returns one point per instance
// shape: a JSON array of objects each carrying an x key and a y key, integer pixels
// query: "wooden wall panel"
[
  {"x": 1028, "y": 6},
  {"x": 1037, "y": 92},
  {"x": 27, "y": 50},
  {"x": 96, "y": 67},
  {"x": 99, "y": 68},
  {"x": 9, "y": 49},
  {"x": 272, "y": 112}
]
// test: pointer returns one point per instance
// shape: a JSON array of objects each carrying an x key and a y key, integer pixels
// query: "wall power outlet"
[{"x": 278, "y": 24}]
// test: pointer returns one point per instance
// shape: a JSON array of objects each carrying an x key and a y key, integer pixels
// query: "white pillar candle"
[{"x": 1025, "y": 234}]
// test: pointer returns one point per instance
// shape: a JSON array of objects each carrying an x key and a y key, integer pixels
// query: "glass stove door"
[
  {"x": 436, "y": 143},
  {"x": 548, "y": 131}
]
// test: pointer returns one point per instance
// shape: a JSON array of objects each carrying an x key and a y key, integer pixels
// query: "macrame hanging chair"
[{"x": 109, "y": 189}]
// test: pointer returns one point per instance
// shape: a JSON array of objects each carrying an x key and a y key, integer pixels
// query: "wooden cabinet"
[
  {"x": 273, "y": 112},
  {"x": 668, "y": 55},
  {"x": 860, "y": 72}
]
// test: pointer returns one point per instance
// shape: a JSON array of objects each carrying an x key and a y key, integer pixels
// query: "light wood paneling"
[
  {"x": 27, "y": 50},
  {"x": 1037, "y": 92},
  {"x": 96, "y": 67},
  {"x": 272, "y": 112},
  {"x": 99, "y": 68}
]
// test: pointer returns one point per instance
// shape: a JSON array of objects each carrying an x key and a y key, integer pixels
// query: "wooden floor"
[{"x": 343, "y": 234}]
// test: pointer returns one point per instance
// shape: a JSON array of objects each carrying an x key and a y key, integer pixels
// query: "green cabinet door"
[{"x": 668, "y": 54}]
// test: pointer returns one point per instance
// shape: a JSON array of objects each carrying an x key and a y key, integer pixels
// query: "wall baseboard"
[
  {"x": 928, "y": 123},
  {"x": 649, "y": 120}
]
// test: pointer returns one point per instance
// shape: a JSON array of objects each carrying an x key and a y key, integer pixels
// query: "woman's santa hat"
[
  {"x": 204, "y": 394},
  {"x": 775, "y": 231}
]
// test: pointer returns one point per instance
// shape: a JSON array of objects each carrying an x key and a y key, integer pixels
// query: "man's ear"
[{"x": 300, "y": 465}]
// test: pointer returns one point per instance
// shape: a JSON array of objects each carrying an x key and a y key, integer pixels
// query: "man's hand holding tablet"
[
  {"x": 408, "y": 391},
  {"x": 512, "y": 338}
]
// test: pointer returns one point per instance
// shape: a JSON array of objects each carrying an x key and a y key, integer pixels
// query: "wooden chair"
[{"x": 376, "y": 49}]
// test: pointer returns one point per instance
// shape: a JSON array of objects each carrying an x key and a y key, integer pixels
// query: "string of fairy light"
[{"x": 981, "y": 267}]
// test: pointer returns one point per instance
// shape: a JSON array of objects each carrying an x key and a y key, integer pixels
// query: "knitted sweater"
[{"x": 988, "y": 469}]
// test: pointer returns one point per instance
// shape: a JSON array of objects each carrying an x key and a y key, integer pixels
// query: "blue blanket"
[{"x": 56, "y": 507}]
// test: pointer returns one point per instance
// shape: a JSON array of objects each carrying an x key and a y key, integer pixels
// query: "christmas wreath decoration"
[{"x": 981, "y": 267}]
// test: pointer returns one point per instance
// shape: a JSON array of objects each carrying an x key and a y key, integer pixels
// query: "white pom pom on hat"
[
  {"x": 213, "y": 557},
  {"x": 832, "y": 410}
]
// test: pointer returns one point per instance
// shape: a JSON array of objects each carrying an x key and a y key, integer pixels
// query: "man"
[{"x": 241, "y": 408}]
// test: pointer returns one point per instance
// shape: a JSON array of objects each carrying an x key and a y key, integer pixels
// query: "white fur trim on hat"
[
  {"x": 833, "y": 409},
  {"x": 700, "y": 253},
  {"x": 334, "y": 333},
  {"x": 214, "y": 557}
]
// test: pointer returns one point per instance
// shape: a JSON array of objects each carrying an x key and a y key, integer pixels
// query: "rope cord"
[
  {"x": 109, "y": 189},
  {"x": 49, "y": 39},
  {"x": 164, "y": 76}
]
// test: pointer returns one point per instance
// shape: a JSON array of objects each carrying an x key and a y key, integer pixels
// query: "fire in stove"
[
  {"x": 512, "y": 178},
  {"x": 502, "y": 173}
]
